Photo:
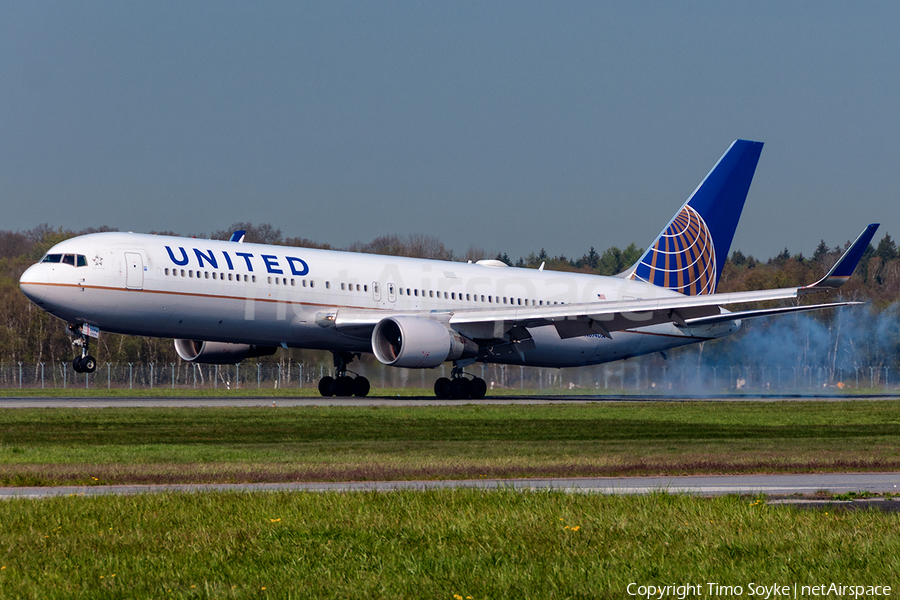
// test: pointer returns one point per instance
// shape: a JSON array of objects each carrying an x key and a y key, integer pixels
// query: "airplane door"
[{"x": 134, "y": 271}]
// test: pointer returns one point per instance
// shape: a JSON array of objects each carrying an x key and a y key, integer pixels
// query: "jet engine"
[
  {"x": 219, "y": 353},
  {"x": 416, "y": 342}
]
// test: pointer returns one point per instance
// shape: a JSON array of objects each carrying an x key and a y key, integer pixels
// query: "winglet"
[
  {"x": 846, "y": 264},
  {"x": 238, "y": 236}
]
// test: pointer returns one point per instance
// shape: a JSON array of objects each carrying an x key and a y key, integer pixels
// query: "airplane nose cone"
[{"x": 33, "y": 283}]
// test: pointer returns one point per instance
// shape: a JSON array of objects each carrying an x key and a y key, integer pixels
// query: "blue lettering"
[
  {"x": 246, "y": 256},
  {"x": 271, "y": 264},
  {"x": 209, "y": 258},
  {"x": 294, "y": 271},
  {"x": 184, "y": 256},
  {"x": 228, "y": 260}
]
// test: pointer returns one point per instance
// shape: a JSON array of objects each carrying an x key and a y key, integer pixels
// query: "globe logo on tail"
[{"x": 683, "y": 258}]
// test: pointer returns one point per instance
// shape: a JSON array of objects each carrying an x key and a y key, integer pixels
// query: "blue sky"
[{"x": 508, "y": 126}]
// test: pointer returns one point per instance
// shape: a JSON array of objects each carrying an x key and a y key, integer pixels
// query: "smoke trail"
[{"x": 846, "y": 346}]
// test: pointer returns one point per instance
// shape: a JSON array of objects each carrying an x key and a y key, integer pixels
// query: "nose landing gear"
[
  {"x": 83, "y": 333},
  {"x": 343, "y": 384},
  {"x": 458, "y": 387}
]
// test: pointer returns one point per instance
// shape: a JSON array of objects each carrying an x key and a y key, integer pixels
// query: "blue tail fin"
[{"x": 688, "y": 254}]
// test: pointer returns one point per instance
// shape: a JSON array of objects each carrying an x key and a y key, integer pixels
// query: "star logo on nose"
[{"x": 98, "y": 261}]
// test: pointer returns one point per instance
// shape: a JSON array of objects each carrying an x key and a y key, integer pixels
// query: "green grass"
[
  {"x": 434, "y": 544},
  {"x": 185, "y": 445}
]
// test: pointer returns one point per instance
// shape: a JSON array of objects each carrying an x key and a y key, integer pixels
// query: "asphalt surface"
[
  {"x": 770, "y": 485},
  {"x": 220, "y": 401}
]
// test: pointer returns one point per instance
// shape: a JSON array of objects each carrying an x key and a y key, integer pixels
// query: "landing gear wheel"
[
  {"x": 326, "y": 386},
  {"x": 442, "y": 388},
  {"x": 77, "y": 363},
  {"x": 361, "y": 387},
  {"x": 478, "y": 388},
  {"x": 460, "y": 388},
  {"x": 88, "y": 364},
  {"x": 343, "y": 386}
]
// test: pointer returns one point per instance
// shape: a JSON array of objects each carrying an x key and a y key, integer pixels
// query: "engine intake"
[
  {"x": 416, "y": 342},
  {"x": 219, "y": 353}
]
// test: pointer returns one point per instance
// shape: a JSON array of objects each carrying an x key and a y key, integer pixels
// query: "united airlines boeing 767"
[{"x": 224, "y": 301}]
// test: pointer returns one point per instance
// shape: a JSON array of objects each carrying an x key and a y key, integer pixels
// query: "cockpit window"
[{"x": 79, "y": 260}]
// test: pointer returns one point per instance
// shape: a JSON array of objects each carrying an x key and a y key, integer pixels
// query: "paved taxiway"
[
  {"x": 771, "y": 485},
  {"x": 220, "y": 401}
]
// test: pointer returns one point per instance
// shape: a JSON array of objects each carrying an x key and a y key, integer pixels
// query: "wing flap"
[{"x": 765, "y": 312}]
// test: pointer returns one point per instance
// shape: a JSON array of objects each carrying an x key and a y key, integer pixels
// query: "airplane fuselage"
[{"x": 266, "y": 295}]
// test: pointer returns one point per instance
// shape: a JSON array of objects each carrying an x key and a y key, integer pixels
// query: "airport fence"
[{"x": 634, "y": 375}]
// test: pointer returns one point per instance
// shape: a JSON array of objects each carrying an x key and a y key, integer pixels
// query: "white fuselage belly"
[{"x": 133, "y": 284}]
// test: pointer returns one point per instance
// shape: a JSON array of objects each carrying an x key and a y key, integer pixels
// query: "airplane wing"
[{"x": 604, "y": 318}]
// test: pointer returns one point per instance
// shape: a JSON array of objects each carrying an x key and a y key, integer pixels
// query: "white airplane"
[{"x": 224, "y": 301}]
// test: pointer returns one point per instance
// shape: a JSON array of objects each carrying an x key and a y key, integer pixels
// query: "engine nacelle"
[
  {"x": 219, "y": 353},
  {"x": 416, "y": 342}
]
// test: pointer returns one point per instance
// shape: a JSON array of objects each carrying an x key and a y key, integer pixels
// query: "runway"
[
  {"x": 705, "y": 485},
  {"x": 261, "y": 401}
]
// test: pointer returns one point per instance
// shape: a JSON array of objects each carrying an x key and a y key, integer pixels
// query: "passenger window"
[
  {"x": 327, "y": 285},
  {"x": 206, "y": 274},
  {"x": 365, "y": 288},
  {"x": 190, "y": 273},
  {"x": 167, "y": 271},
  {"x": 292, "y": 283},
  {"x": 312, "y": 284},
  {"x": 253, "y": 278},
  {"x": 342, "y": 286}
]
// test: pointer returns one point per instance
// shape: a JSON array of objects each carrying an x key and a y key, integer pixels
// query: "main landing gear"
[
  {"x": 343, "y": 384},
  {"x": 458, "y": 387},
  {"x": 84, "y": 363}
]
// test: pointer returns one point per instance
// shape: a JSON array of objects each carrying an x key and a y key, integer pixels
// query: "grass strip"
[
  {"x": 435, "y": 544},
  {"x": 264, "y": 444}
]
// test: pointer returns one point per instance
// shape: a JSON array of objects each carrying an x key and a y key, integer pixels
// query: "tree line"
[{"x": 33, "y": 336}]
